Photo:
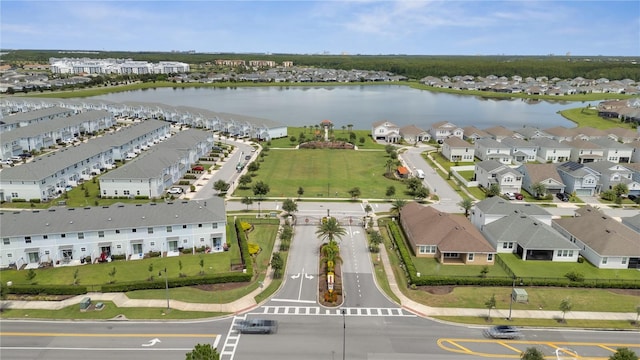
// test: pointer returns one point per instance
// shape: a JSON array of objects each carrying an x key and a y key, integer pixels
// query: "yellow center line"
[
  {"x": 607, "y": 348},
  {"x": 510, "y": 347},
  {"x": 43, "y": 334}
]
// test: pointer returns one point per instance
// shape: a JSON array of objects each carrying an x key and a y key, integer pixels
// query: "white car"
[
  {"x": 174, "y": 190},
  {"x": 6, "y": 162}
]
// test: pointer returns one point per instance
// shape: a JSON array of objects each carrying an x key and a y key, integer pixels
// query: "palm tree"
[
  {"x": 466, "y": 204},
  {"x": 331, "y": 229},
  {"x": 397, "y": 206}
]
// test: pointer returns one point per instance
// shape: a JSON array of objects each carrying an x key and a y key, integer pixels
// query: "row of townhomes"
[
  {"x": 114, "y": 66},
  {"x": 496, "y": 225},
  {"x": 163, "y": 158},
  {"x": 73, "y": 236}
]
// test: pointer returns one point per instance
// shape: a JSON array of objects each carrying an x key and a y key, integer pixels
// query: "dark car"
[
  {"x": 503, "y": 332},
  {"x": 25, "y": 155},
  {"x": 562, "y": 197},
  {"x": 258, "y": 326},
  {"x": 632, "y": 197}
]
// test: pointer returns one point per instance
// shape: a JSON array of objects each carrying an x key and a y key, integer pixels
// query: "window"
[
  {"x": 100, "y": 234},
  {"x": 199, "y": 225},
  {"x": 133, "y": 230},
  {"x": 150, "y": 230},
  {"x": 507, "y": 245},
  {"x": 27, "y": 239},
  {"x": 169, "y": 229},
  {"x": 153, "y": 243},
  {"x": 624, "y": 260},
  {"x": 489, "y": 257},
  {"x": 184, "y": 241},
  {"x": 118, "y": 246},
  {"x": 427, "y": 249},
  {"x": 45, "y": 237},
  {"x": 6, "y": 241},
  {"x": 115, "y": 192},
  {"x": 80, "y": 235},
  {"x": 117, "y": 231},
  {"x": 126, "y": 192},
  {"x": 9, "y": 255},
  {"x": 184, "y": 226},
  {"x": 83, "y": 249},
  {"x": 470, "y": 256},
  {"x": 46, "y": 252},
  {"x": 451, "y": 255},
  {"x": 604, "y": 260},
  {"x": 63, "y": 235}
]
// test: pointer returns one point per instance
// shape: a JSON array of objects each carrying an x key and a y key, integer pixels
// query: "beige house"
[
  {"x": 457, "y": 150},
  {"x": 450, "y": 238}
]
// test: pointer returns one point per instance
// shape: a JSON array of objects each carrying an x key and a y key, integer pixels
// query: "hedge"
[
  {"x": 244, "y": 247},
  {"x": 45, "y": 289},
  {"x": 178, "y": 282}
]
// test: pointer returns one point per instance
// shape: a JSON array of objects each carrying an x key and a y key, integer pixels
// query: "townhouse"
[
  {"x": 91, "y": 234},
  {"x": 20, "y": 119}
]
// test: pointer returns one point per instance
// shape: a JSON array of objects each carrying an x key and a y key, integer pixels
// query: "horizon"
[{"x": 356, "y": 28}]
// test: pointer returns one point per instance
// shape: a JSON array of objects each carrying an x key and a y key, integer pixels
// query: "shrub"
[
  {"x": 574, "y": 276},
  {"x": 253, "y": 248},
  {"x": 34, "y": 201},
  {"x": 18, "y": 200}
]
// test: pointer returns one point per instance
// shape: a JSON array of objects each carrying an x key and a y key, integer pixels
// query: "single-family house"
[
  {"x": 635, "y": 152},
  {"x": 385, "y": 131},
  {"x": 632, "y": 222},
  {"x": 530, "y": 238},
  {"x": 500, "y": 132},
  {"x": 490, "y": 149},
  {"x": 493, "y": 208},
  {"x": 584, "y": 151},
  {"x": 623, "y": 135},
  {"x": 472, "y": 133},
  {"x": 490, "y": 172},
  {"x": 522, "y": 151},
  {"x": 611, "y": 174},
  {"x": 579, "y": 179},
  {"x": 450, "y": 238},
  {"x": 603, "y": 241},
  {"x": 589, "y": 133},
  {"x": 551, "y": 151},
  {"x": 458, "y": 150},
  {"x": 545, "y": 174},
  {"x": 412, "y": 134},
  {"x": 529, "y": 132},
  {"x": 561, "y": 133},
  {"x": 444, "y": 129},
  {"x": 614, "y": 151}
]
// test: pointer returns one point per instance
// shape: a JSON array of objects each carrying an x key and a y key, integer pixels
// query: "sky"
[{"x": 371, "y": 27}]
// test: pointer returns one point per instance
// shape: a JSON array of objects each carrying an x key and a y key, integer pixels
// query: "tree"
[
  {"x": 292, "y": 139},
  {"x": 620, "y": 189},
  {"x": 539, "y": 190},
  {"x": 532, "y": 354},
  {"x": 413, "y": 184},
  {"x": 201, "y": 266},
  {"x": 421, "y": 193},
  {"x": 355, "y": 192},
  {"x": 391, "y": 190},
  {"x": 490, "y": 304},
  {"x": 245, "y": 180},
  {"x": 388, "y": 166},
  {"x": 247, "y": 201},
  {"x": 330, "y": 230},
  {"x": 289, "y": 206},
  {"x": 375, "y": 240},
  {"x": 150, "y": 268},
  {"x": 253, "y": 166},
  {"x": 180, "y": 268},
  {"x": 277, "y": 264},
  {"x": 397, "y": 205},
  {"x": 203, "y": 352},
  {"x": 260, "y": 189},
  {"x": 624, "y": 354},
  {"x": 367, "y": 209},
  {"x": 112, "y": 275},
  {"x": 466, "y": 204},
  {"x": 31, "y": 274},
  {"x": 300, "y": 192},
  {"x": 565, "y": 307},
  {"x": 221, "y": 186},
  {"x": 493, "y": 190}
]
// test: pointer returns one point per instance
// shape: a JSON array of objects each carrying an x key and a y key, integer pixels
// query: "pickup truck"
[{"x": 257, "y": 326}]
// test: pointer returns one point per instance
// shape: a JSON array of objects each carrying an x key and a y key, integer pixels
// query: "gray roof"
[
  {"x": 632, "y": 222},
  {"x": 515, "y": 142},
  {"x": 528, "y": 232},
  {"x": 117, "y": 216},
  {"x": 544, "y": 142},
  {"x": 47, "y": 165},
  {"x": 488, "y": 142},
  {"x": 489, "y": 165},
  {"x": 54, "y": 124},
  {"x": 602, "y": 233},
  {"x": 498, "y": 205},
  {"x": 610, "y": 144},
  {"x": 36, "y": 114}
]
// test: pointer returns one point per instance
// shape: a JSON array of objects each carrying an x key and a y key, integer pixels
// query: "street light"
[
  {"x": 166, "y": 285},
  {"x": 344, "y": 332}
]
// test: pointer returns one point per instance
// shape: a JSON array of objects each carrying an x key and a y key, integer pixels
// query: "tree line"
[{"x": 411, "y": 66}]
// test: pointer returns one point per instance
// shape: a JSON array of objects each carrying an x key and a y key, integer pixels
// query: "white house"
[
  {"x": 457, "y": 150},
  {"x": 551, "y": 151},
  {"x": 490, "y": 149},
  {"x": 490, "y": 172},
  {"x": 385, "y": 131},
  {"x": 72, "y": 234},
  {"x": 444, "y": 129}
]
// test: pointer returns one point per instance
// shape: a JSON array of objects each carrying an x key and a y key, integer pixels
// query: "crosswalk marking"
[{"x": 321, "y": 311}]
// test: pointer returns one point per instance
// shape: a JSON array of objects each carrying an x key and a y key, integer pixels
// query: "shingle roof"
[
  {"x": 528, "y": 232},
  {"x": 498, "y": 205},
  {"x": 425, "y": 225},
  {"x": 602, "y": 233}
]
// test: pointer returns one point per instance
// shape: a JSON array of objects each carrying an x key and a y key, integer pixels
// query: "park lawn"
[
  {"x": 110, "y": 311},
  {"x": 338, "y": 133},
  {"x": 589, "y": 117},
  {"x": 324, "y": 173},
  {"x": 557, "y": 270},
  {"x": 94, "y": 275}
]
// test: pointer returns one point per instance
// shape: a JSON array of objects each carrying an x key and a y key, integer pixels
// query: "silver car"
[{"x": 503, "y": 332}]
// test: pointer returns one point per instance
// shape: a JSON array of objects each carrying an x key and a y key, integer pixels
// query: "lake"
[{"x": 359, "y": 105}]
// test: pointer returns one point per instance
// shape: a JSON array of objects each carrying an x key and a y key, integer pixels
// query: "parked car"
[
  {"x": 248, "y": 157},
  {"x": 25, "y": 155},
  {"x": 562, "y": 196},
  {"x": 175, "y": 190},
  {"x": 198, "y": 168},
  {"x": 6, "y": 162},
  {"x": 258, "y": 326},
  {"x": 510, "y": 195},
  {"x": 503, "y": 332},
  {"x": 518, "y": 196},
  {"x": 632, "y": 197}
]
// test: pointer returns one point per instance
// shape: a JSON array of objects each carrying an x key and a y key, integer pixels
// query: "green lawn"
[
  {"x": 431, "y": 267},
  {"x": 324, "y": 173},
  {"x": 338, "y": 133},
  {"x": 557, "y": 270},
  {"x": 589, "y": 117}
]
